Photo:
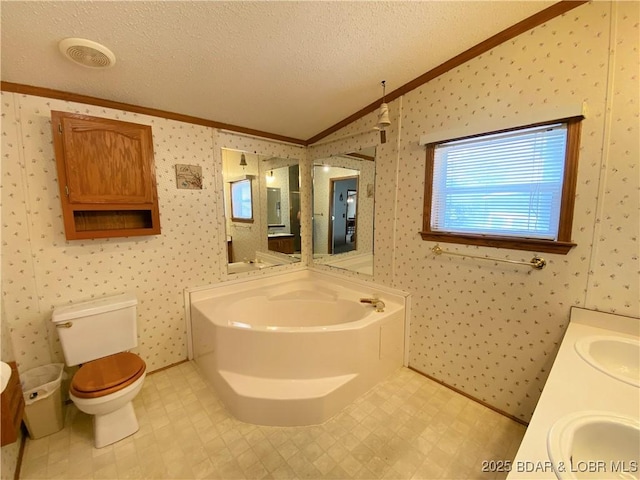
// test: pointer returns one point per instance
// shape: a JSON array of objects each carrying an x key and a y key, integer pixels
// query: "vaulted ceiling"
[{"x": 291, "y": 68}]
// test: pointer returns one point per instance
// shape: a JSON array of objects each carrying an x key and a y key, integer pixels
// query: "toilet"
[{"x": 97, "y": 335}]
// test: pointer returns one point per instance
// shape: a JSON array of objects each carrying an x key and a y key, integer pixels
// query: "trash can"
[{"x": 43, "y": 401}]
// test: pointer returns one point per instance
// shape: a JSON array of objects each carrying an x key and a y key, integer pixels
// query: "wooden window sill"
[{"x": 528, "y": 244}]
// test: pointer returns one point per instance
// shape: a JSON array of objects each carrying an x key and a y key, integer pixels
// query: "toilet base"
[{"x": 114, "y": 426}]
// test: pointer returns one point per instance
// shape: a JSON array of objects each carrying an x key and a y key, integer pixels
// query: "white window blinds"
[{"x": 507, "y": 184}]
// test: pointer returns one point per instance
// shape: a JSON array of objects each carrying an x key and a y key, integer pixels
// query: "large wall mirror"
[
  {"x": 343, "y": 210},
  {"x": 262, "y": 210}
]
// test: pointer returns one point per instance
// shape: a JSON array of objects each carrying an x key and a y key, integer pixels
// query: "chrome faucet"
[{"x": 376, "y": 302}]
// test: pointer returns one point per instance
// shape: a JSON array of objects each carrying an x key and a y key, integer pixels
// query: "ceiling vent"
[{"x": 87, "y": 53}]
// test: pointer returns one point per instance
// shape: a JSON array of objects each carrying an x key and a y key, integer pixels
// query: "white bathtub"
[{"x": 295, "y": 348}]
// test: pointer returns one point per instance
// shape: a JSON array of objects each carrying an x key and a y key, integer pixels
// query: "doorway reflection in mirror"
[{"x": 343, "y": 211}]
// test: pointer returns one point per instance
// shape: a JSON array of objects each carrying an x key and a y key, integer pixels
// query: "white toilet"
[{"x": 97, "y": 334}]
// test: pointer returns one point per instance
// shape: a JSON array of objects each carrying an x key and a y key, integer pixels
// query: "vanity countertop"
[
  {"x": 576, "y": 386},
  {"x": 279, "y": 235}
]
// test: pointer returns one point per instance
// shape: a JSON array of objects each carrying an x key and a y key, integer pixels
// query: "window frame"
[
  {"x": 231, "y": 188},
  {"x": 561, "y": 245}
]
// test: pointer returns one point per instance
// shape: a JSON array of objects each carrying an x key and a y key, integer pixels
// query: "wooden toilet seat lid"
[{"x": 107, "y": 375}]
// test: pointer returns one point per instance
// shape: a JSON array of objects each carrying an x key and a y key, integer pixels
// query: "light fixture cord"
[{"x": 383, "y": 89}]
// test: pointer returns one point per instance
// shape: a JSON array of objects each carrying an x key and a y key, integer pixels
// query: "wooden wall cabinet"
[
  {"x": 11, "y": 408},
  {"x": 281, "y": 243},
  {"x": 106, "y": 176}
]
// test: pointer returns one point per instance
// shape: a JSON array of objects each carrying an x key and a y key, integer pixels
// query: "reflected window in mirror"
[
  {"x": 241, "y": 201},
  {"x": 268, "y": 234}
]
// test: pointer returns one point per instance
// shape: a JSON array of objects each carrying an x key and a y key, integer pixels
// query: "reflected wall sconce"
[{"x": 341, "y": 198}]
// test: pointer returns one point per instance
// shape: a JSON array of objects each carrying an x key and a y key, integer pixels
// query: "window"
[
  {"x": 241, "y": 203},
  {"x": 513, "y": 188}
]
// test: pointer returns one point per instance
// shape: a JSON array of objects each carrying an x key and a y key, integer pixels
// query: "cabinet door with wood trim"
[
  {"x": 281, "y": 244},
  {"x": 106, "y": 176},
  {"x": 11, "y": 407}
]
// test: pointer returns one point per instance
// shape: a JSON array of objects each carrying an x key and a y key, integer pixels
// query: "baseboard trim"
[
  {"x": 169, "y": 366},
  {"x": 471, "y": 397}
]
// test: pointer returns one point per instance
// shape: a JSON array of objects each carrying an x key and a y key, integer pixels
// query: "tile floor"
[{"x": 406, "y": 427}]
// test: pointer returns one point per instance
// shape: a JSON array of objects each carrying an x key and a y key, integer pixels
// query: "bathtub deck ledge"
[{"x": 284, "y": 388}]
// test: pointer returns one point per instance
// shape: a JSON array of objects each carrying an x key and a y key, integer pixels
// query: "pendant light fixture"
[
  {"x": 243, "y": 160},
  {"x": 383, "y": 116}
]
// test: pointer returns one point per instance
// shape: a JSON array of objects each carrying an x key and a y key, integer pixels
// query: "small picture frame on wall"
[{"x": 189, "y": 177}]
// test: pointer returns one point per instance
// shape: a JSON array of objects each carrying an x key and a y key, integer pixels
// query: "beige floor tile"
[
  {"x": 247, "y": 459},
  {"x": 273, "y": 461},
  {"x": 256, "y": 471},
  {"x": 406, "y": 427},
  {"x": 350, "y": 465},
  {"x": 37, "y": 468},
  {"x": 338, "y": 451},
  {"x": 427, "y": 471},
  {"x": 80, "y": 469},
  {"x": 178, "y": 470},
  {"x": 336, "y": 473},
  {"x": 202, "y": 469},
  {"x": 324, "y": 463},
  {"x": 37, "y": 448},
  {"x": 107, "y": 472}
]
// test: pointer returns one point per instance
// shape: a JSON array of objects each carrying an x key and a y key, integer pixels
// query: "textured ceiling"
[{"x": 288, "y": 68}]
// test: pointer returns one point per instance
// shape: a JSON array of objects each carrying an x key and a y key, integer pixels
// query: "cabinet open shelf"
[{"x": 107, "y": 177}]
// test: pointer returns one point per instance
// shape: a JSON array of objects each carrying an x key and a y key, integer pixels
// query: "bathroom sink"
[
  {"x": 617, "y": 357},
  {"x": 595, "y": 445},
  {"x": 5, "y": 375}
]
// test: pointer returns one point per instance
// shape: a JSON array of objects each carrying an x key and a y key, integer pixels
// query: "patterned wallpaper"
[
  {"x": 505, "y": 324},
  {"x": 614, "y": 279},
  {"x": 41, "y": 269},
  {"x": 488, "y": 329}
]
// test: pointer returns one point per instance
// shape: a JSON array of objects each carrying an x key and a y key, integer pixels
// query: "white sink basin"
[
  {"x": 595, "y": 445},
  {"x": 5, "y": 375},
  {"x": 616, "y": 356}
]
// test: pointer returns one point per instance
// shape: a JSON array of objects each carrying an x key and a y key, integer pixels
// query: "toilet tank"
[{"x": 97, "y": 328}]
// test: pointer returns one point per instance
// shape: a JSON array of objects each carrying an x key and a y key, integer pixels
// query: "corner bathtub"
[{"x": 295, "y": 348}]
